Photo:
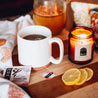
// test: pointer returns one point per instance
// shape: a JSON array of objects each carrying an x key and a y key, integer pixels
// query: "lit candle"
[{"x": 81, "y": 43}]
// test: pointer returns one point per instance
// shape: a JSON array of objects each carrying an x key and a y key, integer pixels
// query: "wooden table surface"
[{"x": 39, "y": 87}]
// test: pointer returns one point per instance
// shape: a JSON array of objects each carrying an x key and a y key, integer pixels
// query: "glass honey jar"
[{"x": 51, "y": 14}]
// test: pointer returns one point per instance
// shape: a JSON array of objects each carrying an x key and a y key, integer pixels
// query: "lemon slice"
[
  {"x": 83, "y": 78},
  {"x": 90, "y": 73},
  {"x": 71, "y": 76}
]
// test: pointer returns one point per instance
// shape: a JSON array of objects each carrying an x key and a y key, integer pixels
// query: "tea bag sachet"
[{"x": 19, "y": 75}]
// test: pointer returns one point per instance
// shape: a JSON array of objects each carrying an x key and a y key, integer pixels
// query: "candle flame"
[{"x": 82, "y": 35}]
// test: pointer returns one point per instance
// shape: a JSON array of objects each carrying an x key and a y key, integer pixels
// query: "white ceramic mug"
[{"x": 37, "y": 53}]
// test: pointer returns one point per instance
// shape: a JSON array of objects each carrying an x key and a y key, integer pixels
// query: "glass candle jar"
[{"x": 81, "y": 43}]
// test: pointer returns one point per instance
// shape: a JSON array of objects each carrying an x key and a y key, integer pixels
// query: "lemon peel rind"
[
  {"x": 84, "y": 79},
  {"x": 91, "y": 74}
]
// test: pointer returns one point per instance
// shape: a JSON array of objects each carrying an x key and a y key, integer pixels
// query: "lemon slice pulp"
[{"x": 71, "y": 76}]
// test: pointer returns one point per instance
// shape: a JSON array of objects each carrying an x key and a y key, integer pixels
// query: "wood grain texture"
[
  {"x": 58, "y": 69},
  {"x": 89, "y": 91},
  {"x": 55, "y": 87}
]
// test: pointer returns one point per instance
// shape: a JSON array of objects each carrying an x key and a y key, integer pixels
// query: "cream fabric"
[{"x": 8, "y": 32}]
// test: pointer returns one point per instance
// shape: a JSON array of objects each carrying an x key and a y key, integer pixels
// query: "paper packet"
[{"x": 19, "y": 75}]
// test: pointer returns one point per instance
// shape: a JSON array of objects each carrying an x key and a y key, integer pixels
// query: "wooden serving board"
[{"x": 39, "y": 87}]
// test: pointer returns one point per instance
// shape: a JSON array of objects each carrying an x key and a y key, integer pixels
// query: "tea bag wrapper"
[
  {"x": 48, "y": 75},
  {"x": 18, "y": 74}
]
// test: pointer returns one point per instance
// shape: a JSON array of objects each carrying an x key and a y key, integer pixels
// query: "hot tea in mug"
[
  {"x": 35, "y": 47},
  {"x": 34, "y": 37}
]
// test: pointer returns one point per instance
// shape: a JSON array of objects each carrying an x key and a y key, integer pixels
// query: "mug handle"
[{"x": 60, "y": 43}]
